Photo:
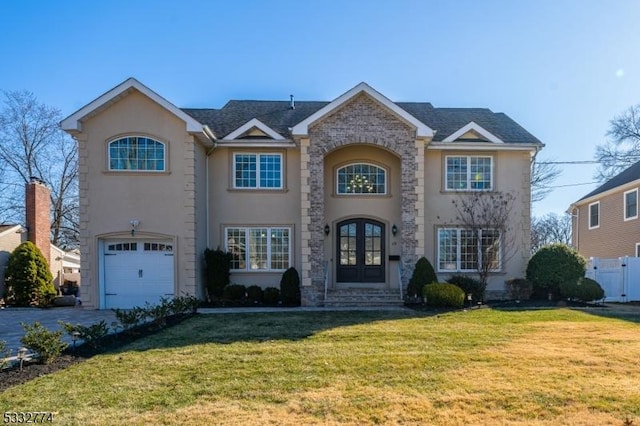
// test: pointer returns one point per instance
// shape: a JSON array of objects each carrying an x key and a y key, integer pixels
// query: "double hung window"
[
  {"x": 257, "y": 171},
  {"x": 468, "y": 173}
]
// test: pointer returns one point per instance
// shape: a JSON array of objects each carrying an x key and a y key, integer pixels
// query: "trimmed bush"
[
  {"x": 584, "y": 289},
  {"x": 469, "y": 285},
  {"x": 254, "y": 292},
  {"x": 553, "y": 265},
  {"x": 423, "y": 274},
  {"x": 519, "y": 288},
  {"x": 290, "y": 287},
  {"x": 91, "y": 335},
  {"x": 234, "y": 292},
  {"x": 48, "y": 344},
  {"x": 28, "y": 277},
  {"x": 218, "y": 267},
  {"x": 443, "y": 295},
  {"x": 271, "y": 296}
]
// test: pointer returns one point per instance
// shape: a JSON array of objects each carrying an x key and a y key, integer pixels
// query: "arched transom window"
[
  {"x": 362, "y": 178},
  {"x": 137, "y": 153}
]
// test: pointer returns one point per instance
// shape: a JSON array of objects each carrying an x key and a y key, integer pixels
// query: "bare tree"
[
  {"x": 550, "y": 228},
  {"x": 485, "y": 220},
  {"x": 542, "y": 176},
  {"x": 32, "y": 144},
  {"x": 623, "y": 147}
]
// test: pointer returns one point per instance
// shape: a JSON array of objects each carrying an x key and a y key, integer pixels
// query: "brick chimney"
[{"x": 38, "y": 216}]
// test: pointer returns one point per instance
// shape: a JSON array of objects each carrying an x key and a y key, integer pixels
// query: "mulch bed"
[{"x": 31, "y": 370}]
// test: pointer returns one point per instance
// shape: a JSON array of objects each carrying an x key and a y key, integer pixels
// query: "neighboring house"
[
  {"x": 605, "y": 221},
  {"x": 65, "y": 265},
  {"x": 349, "y": 192}
]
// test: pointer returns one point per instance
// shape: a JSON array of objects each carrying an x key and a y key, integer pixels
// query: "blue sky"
[{"x": 561, "y": 68}]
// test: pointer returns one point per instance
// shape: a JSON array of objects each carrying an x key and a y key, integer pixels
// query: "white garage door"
[{"x": 136, "y": 272}]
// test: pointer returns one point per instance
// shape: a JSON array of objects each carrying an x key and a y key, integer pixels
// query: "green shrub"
[
  {"x": 130, "y": 318},
  {"x": 519, "y": 288},
  {"x": 48, "y": 344},
  {"x": 290, "y": 287},
  {"x": 584, "y": 289},
  {"x": 254, "y": 292},
  {"x": 91, "y": 335},
  {"x": 271, "y": 296},
  {"x": 553, "y": 265},
  {"x": 423, "y": 274},
  {"x": 443, "y": 295},
  {"x": 159, "y": 312},
  {"x": 28, "y": 277},
  {"x": 4, "y": 354},
  {"x": 469, "y": 285},
  {"x": 218, "y": 271},
  {"x": 234, "y": 292},
  {"x": 183, "y": 305}
]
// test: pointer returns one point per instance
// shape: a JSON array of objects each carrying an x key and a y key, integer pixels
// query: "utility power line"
[{"x": 569, "y": 162}]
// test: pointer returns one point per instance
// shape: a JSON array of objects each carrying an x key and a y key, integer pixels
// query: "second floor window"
[
  {"x": 137, "y": 153},
  {"x": 594, "y": 215},
  {"x": 257, "y": 171},
  {"x": 631, "y": 204},
  {"x": 469, "y": 173},
  {"x": 362, "y": 178}
]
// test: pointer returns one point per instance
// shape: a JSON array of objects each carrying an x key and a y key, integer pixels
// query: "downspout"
[{"x": 208, "y": 153}]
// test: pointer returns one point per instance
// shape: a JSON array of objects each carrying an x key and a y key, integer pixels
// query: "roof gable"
[
  {"x": 472, "y": 127},
  {"x": 73, "y": 123},
  {"x": 254, "y": 127},
  {"x": 422, "y": 130}
]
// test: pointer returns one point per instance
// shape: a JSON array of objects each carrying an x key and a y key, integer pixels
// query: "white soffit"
[
  {"x": 73, "y": 122},
  {"x": 258, "y": 125},
  {"x": 473, "y": 126},
  {"x": 422, "y": 130}
]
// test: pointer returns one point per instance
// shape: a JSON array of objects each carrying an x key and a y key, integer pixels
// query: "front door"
[{"x": 360, "y": 251}]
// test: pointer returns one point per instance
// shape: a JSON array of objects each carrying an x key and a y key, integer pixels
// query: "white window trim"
[
  {"x": 468, "y": 188},
  {"x": 624, "y": 197},
  {"x": 164, "y": 156},
  {"x": 459, "y": 251},
  {"x": 246, "y": 230},
  {"x": 589, "y": 215},
  {"x": 348, "y": 194},
  {"x": 258, "y": 154}
]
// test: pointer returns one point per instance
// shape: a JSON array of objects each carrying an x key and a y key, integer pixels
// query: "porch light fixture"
[
  {"x": 327, "y": 229},
  {"x": 134, "y": 225},
  {"x": 394, "y": 229}
]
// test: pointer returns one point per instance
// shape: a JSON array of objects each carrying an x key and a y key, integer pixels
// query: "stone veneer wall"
[{"x": 361, "y": 120}]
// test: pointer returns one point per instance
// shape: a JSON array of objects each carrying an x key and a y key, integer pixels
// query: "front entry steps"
[{"x": 362, "y": 297}]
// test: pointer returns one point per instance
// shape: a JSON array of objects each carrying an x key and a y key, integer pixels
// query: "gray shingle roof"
[
  {"x": 627, "y": 175},
  {"x": 280, "y": 117}
]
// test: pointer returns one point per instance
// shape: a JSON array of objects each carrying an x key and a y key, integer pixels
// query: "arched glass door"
[{"x": 360, "y": 251}]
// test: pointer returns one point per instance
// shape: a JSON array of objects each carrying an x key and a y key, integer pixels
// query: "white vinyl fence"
[{"x": 619, "y": 278}]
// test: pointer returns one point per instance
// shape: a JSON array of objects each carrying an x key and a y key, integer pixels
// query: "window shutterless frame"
[
  {"x": 468, "y": 173},
  {"x": 253, "y": 170},
  {"x": 594, "y": 215},
  {"x": 136, "y": 153},
  {"x": 259, "y": 248},
  {"x": 361, "y": 179},
  {"x": 631, "y": 204}
]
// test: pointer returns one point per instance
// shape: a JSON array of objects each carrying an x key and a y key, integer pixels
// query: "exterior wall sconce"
[
  {"x": 327, "y": 229},
  {"x": 134, "y": 225},
  {"x": 394, "y": 230}
]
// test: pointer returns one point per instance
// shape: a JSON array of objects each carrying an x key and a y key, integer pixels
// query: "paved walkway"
[{"x": 11, "y": 331}]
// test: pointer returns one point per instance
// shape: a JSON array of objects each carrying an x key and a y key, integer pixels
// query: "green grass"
[{"x": 478, "y": 367}]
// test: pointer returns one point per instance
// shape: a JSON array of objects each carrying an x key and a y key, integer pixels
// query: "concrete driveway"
[{"x": 10, "y": 319}]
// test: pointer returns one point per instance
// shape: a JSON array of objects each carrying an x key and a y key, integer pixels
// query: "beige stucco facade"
[
  {"x": 615, "y": 235},
  {"x": 194, "y": 201}
]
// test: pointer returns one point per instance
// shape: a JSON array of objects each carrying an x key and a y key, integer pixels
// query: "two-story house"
[
  {"x": 605, "y": 221},
  {"x": 350, "y": 192}
]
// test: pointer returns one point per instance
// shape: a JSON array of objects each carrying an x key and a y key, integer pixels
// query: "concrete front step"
[{"x": 362, "y": 297}]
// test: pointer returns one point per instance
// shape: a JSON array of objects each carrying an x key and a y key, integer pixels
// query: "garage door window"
[
  {"x": 157, "y": 247},
  {"x": 123, "y": 247}
]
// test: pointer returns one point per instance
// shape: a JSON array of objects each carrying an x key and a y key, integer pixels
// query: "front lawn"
[{"x": 555, "y": 366}]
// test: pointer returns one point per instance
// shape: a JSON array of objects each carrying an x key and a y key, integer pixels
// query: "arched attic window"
[
  {"x": 362, "y": 178},
  {"x": 137, "y": 153}
]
